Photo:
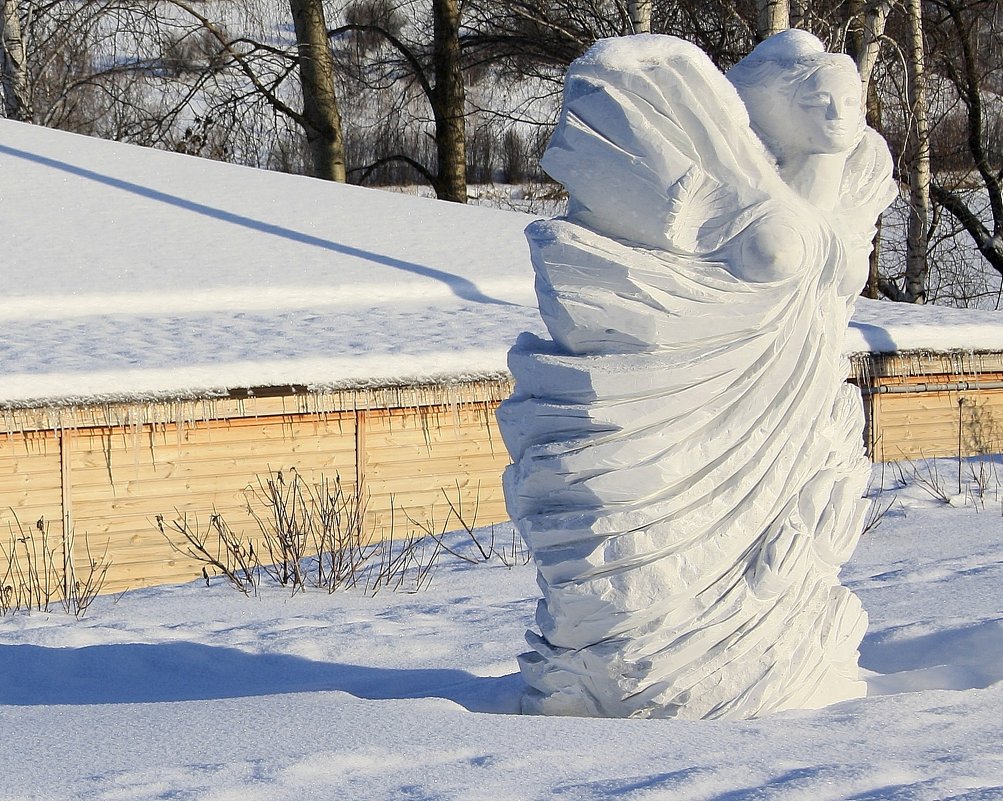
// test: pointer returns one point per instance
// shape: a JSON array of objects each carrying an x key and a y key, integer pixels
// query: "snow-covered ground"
[
  {"x": 203, "y": 694},
  {"x": 133, "y": 273}
]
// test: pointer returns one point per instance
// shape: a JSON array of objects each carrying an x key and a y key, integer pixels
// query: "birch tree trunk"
[
  {"x": 13, "y": 67},
  {"x": 448, "y": 102},
  {"x": 772, "y": 16},
  {"x": 917, "y": 236},
  {"x": 640, "y": 15},
  {"x": 867, "y": 27},
  {"x": 320, "y": 105}
]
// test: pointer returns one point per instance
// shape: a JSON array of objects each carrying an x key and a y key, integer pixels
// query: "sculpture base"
[{"x": 577, "y": 683}]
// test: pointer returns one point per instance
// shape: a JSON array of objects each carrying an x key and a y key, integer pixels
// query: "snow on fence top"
[
  {"x": 884, "y": 327},
  {"x": 132, "y": 273}
]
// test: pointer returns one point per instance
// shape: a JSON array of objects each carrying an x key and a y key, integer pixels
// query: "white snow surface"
[
  {"x": 131, "y": 273},
  {"x": 203, "y": 694},
  {"x": 885, "y": 327}
]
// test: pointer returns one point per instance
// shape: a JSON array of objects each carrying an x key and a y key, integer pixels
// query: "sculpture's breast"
[{"x": 778, "y": 244}]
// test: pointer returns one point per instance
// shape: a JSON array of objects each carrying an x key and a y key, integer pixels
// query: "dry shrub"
[
  {"x": 38, "y": 574},
  {"x": 315, "y": 535}
]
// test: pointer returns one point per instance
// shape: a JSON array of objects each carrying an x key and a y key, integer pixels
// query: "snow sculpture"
[{"x": 687, "y": 460}]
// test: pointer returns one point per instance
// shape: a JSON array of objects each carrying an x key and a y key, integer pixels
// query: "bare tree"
[
  {"x": 13, "y": 65},
  {"x": 97, "y": 68},
  {"x": 436, "y": 67},
  {"x": 526, "y": 35},
  {"x": 266, "y": 67},
  {"x": 321, "y": 119},
  {"x": 917, "y": 236},
  {"x": 968, "y": 56}
]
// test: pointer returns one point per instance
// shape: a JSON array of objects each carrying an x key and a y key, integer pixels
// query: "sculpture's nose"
[{"x": 832, "y": 111}]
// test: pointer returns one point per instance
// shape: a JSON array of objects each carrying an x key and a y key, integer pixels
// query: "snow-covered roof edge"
[{"x": 53, "y": 414}]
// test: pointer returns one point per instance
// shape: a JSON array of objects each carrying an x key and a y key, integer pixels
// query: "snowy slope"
[
  {"x": 205, "y": 695},
  {"x": 131, "y": 273}
]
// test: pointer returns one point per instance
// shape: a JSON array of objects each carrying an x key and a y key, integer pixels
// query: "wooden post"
[
  {"x": 961, "y": 433},
  {"x": 360, "y": 465},
  {"x": 66, "y": 490}
]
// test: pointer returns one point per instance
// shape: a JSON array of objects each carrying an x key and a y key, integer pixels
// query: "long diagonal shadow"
[
  {"x": 461, "y": 287},
  {"x": 185, "y": 671}
]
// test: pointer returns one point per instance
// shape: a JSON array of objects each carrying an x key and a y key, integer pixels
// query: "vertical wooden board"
[
  {"x": 30, "y": 497},
  {"x": 872, "y": 426},
  {"x": 123, "y": 479},
  {"x": 29, "y": 480},
  {"x": 421, "y": 463},
  {"x": 983, "y": 422},
  {"x": 919, "y": 425}
]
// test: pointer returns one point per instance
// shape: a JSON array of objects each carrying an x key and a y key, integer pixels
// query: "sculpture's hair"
[{"x": 767, "y": 78}]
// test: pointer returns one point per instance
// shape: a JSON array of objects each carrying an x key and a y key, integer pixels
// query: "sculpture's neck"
[{"x": 816, "y": 177}]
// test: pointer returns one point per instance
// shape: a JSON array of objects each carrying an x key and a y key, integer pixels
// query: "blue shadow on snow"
[{"x": 184, "y": 671}]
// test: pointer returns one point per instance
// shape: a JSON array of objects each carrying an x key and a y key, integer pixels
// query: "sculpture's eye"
[{"x": 817, "y": 100}]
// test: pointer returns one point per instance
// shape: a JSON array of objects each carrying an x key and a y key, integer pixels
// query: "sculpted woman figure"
[{"x": 687, "y": 459}]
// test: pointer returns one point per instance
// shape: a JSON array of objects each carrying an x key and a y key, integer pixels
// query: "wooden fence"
[
  {"x": 925, "y": 405},
  {"x": 107, "y": 475},
  {"x": 100, "y": 476}
]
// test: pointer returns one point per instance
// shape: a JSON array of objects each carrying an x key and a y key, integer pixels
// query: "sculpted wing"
[{"x": 655, "y": 149}]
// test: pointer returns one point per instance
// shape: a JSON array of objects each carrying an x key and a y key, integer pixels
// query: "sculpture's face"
[{"x": 826, "y": 113}]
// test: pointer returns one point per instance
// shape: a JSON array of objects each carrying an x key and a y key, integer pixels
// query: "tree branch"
[
  {"x": 973, "y": 100},
  {"x": 398, "y": 157},
  {"x": 417, "y": 67},
  {"x": 241, "y": 60},
  {"x": 991, "y": 247}
]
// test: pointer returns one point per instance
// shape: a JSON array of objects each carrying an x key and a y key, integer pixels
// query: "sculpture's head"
[{"x": 801, "y": 99}]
